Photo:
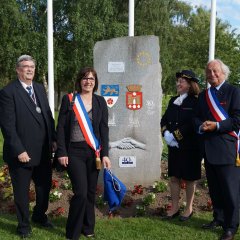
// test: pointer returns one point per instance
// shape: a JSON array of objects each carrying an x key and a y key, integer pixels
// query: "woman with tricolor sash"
[
  {"x": 184, "y": 159},
  {"x": 83, "y": 139}
]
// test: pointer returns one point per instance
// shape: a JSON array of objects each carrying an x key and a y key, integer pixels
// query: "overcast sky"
[{"x": 227, "y": 10}]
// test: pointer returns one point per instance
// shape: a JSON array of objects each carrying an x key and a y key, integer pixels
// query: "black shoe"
[
  {"x": 25, "y": 235},
  {"x": 228, "y": 235},
  {"x": 183, "y": 218},
  {"x": 212, "y": 225},
  {"x": 166, "y": 217},
  {"x": 46, "y": 224}
]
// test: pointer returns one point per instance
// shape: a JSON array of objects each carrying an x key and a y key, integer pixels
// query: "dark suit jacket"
[
  {"x": 219, "y": 146},
  {"x": 178, "y": 121},
  {"x": 99, "y": 122},
  {"x": 23, "y": 128}
]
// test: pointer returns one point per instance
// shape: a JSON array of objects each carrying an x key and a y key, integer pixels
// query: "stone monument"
[{"x": 129, "y": 74}]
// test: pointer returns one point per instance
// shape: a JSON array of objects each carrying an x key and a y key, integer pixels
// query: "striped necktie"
[{"x": 31, "y": 93}]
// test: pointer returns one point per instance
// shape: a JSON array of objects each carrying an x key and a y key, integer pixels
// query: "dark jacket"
[
  {"x": 23, "y": 128},
  {"x": 99, "y": 122},
  {"x": 219, "y": 146},
  {"x": 178, "y": 121}
]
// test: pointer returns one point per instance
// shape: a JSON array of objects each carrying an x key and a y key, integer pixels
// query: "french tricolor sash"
[
  {"x": 220, "y": 114},
  {"x": 85, "y": 124}
]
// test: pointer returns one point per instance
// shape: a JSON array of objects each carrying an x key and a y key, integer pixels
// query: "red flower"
[
  {"x": 168, "y": 207},
  {"x": 183, "y": 184},
  {"x": 58, "y": 212},
  {"x": 209, "y": 204},
  {"x": 55, "y": 183},
  {"x": 138, "y": 189}
]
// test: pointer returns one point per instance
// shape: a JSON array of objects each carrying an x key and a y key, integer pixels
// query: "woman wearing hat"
[{"x": 184, "y": 159}]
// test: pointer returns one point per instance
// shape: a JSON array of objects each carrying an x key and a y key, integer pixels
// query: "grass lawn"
[{"x": 143, "y": 228}]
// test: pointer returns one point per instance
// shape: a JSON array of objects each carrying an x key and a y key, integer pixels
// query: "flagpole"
[
  {"x": 50, "y": 55},
  {"x": 131, "y": 19},
  {"x": 212, "y": 31}
]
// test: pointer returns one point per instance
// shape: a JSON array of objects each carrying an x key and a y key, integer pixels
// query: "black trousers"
[
  {"x": 224, "y": 186},
  {"x": 83, "y": 175},
  {"x": 21, "y": 179}
]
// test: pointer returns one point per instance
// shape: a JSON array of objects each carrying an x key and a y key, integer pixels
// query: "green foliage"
[
  {"x": 149, "y": 199},
  {"x": 160, "y": 186},
  {"x": 141, "y": 228},
  {"x": 183, "y": 33}
]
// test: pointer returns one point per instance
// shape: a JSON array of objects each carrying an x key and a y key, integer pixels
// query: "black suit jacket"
[
  {"x": 23, "y": 128},
  {"x": 99, "y": 122},
  {"x": 218, "y": 146},
  {"x": 178, "y": 121}
]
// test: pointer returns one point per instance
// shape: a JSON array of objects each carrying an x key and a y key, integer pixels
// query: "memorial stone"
[{"x": 129, "y": 74}]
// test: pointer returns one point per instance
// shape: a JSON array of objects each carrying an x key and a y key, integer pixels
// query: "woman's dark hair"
[
  {"x": 84, "y": 72},
  {"x": 194, "y": 89}
]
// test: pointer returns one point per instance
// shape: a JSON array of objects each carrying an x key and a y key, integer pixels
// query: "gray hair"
[
  {"x": 223, "y": 66},
  {"x": 25, "y": 58}
]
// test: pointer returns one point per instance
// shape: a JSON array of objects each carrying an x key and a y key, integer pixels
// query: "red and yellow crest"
[{"x": 134, "y": 97}]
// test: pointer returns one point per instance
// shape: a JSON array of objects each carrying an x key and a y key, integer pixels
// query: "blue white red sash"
[
  {"x": 220, "y": 114},
  {"x": 85, "y": 124}
]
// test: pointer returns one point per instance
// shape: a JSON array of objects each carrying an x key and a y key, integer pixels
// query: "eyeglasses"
[
  {"x": 181, "y": 80},
  {"x": 90, "y": 79},
  {"x": 27, "y": 66}
]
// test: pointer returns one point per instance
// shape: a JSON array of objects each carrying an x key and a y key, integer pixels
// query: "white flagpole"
[
  {"x": 131, "y": 19},
  {"x": 50, "y": 55},
  {"x": 212, "y": 31}
]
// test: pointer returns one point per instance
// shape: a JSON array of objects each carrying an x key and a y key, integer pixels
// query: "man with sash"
[{"x": 218, "y": 122}]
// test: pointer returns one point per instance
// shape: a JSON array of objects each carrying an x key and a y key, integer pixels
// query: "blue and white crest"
[{"x": 110, "y": 94}]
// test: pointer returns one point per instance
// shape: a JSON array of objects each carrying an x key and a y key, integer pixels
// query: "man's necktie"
[{"x": 31, "y": 93}]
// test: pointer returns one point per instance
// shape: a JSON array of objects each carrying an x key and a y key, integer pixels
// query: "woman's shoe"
[
  {"x": 167, "y": 217},
  {"x": 183, "y": 218}
]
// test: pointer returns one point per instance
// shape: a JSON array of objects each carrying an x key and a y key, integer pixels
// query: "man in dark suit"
[
  {"x": 29, "y": 138},
  {"x": 218, "y": 121}
]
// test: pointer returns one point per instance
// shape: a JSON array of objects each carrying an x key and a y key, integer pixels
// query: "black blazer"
[
  {"x": 219, "y": 146},
  {"x": 178, "y": 121},
  {"x": 100, "y": 124},
  {"x": 23, "y": 128}
]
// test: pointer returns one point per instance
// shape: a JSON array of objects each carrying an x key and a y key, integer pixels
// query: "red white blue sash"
[
  {"x": 220, "y": 114},
  {"x": 85, "y": 123}
]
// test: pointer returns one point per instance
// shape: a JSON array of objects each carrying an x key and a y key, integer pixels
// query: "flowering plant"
[
  {"x": 149, "y": 199},
  {"x": 67, "y": 185},
  {"x": 100, "y": 203},
  {"x": 209, "y": 205},
  {"x": 57, "y": 212},
  {"x": 183, "y": 184},
  {"x": 140, "y": 210},
  {"x": 55, "y": 183},
  {"x": 159, "y": 186},
  {"x": 138, "y": 189},
  {"x": 54, "y": 196}
]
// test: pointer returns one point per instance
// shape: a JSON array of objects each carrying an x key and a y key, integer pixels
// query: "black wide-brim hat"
[{"x": 188, "y": 74}]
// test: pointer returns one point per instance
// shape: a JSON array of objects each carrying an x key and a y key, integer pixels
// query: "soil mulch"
[{"x": 135, "y": 203}]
